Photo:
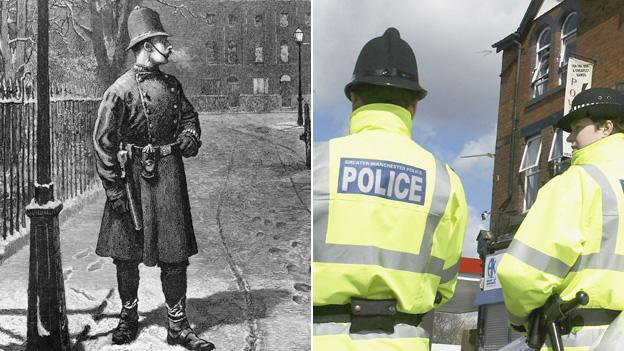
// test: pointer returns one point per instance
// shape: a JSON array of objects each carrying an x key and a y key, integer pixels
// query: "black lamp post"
[
  {"x": 299, "y": 40},
  {"x": 47, "y": 319}
]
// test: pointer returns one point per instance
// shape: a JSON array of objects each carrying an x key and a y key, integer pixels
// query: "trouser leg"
[
  {"x": 128, "y": 285},
  {"x": 173, "y": 279}
]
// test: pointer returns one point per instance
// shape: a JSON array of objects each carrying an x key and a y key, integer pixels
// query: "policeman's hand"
[
  {"x": 120, "y": 205},
  {"x": 188, "y": 146}
]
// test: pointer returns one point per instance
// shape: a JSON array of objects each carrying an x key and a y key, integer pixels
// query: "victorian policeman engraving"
[{"x": 145, "y": 127}]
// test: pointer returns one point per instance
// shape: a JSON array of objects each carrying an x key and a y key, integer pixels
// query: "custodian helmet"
[
  {"x": 143, "y": 23},
  {"x": 389, "y": 61}
]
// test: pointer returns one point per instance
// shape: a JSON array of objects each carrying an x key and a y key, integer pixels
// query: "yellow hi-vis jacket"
[
  {"x": 572, "y": 239},
  {"x": 389, "y": 223}
]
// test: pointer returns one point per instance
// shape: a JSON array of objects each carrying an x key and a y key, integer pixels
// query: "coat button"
[
  {"x": 173, "y": 90},
  {"x": 175, "y": 106},
  {"x": 151, "y": 126}
]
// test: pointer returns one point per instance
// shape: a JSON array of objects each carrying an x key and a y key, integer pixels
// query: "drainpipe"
[{"x": 514, "y": 123}]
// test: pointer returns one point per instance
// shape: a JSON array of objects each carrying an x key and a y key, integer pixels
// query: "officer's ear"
[
  {"x": 148, "y": 46},
  {"x": 607, "y": 127}
]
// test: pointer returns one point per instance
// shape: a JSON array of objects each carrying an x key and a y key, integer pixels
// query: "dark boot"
[
  {"x": 180, "y": 332},
  {"x": 128, "y": 285},
  {"x": 128, "y": 326}
]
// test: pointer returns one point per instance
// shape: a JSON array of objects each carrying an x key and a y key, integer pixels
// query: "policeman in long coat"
[{"x": 145, "y": 126}]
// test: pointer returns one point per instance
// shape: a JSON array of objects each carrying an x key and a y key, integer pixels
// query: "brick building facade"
[
  {"x": 239, "y": 54},
  {"x": 531, "y": 101}
]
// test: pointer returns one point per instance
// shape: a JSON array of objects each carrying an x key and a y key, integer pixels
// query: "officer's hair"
[
  {"x": 372, "y": 94},
  {"x": 618, "y": 124}
]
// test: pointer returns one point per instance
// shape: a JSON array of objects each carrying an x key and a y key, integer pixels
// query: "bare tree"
[
  {"x": 104, "y": 23},
  {"x": 16, "y": 41}
]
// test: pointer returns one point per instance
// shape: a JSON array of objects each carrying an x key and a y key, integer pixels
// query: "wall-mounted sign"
[
  {"x": 579, "y": 78},
  {"x": 491, "y": 279}
]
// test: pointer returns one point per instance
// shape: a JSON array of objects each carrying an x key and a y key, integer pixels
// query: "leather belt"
[
  {"x": 592, "y": 317},
  {"x": 365, "y": 315},
  {"x": 160, "y": 150}
]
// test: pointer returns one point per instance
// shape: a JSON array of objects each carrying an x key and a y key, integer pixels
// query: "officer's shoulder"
[
  {"x": 570, "y": 179},
  {"x": 123, "y": 84}
]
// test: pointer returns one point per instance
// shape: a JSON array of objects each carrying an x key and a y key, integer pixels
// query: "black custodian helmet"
[
  {"x": 594, "y": 103},
  {"x": 389, "y": 61},
  {"x": 143, "y": 23}
]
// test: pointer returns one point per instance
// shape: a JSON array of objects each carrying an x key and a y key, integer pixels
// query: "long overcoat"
[{"x": 158, "y": 119}]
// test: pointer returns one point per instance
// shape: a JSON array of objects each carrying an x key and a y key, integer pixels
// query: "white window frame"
[
  {"x": 566, "y": 148},
  {"x": 542, "y": 57},
  {"x": 530, "y": 170},
  {"x": 566, "y": 39},
  {"x": 524, "y": 167},
  {"x": 260, "y": 86}
]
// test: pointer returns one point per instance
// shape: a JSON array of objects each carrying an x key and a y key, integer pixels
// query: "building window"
[
  {"x": 260, "y": 86},
  {"x": 540, "y": 75},
  {"x": 232, "y": 57},
  {"x": 283, "y": 22},
  {"x": 258, "y": 57},
  {"x": 284, "y": 52},
  {"x": 560, "y": 152},
  {"x": 568, "y": 44},
  {"x": 211, "y": 18},
  {"x": 530, "y": 167},
  {"x": 258, "y": 20},
  {"x": 210, "y": 86},
  {"x": 211, "y": 52},
  {"x": 308, "y": 19},
  {"x": 232, "y": 19}
]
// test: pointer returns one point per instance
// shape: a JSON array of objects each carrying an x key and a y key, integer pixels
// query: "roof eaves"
[{"x": 529, "y": 15}]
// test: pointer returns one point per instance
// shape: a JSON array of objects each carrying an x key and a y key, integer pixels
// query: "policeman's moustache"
[{"x": 158, "y": 51}]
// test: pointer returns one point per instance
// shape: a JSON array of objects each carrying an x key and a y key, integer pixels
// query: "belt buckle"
[
  {"x": 165, "y": 150},
  {"x": 148, "y": 162},
  {"x": 372, "y": 315}
]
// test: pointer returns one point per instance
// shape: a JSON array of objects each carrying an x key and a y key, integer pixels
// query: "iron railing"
[{"x": 73, "y": 113}]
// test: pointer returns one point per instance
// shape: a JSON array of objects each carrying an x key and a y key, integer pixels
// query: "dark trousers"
[{"x": 172, "y": 278}]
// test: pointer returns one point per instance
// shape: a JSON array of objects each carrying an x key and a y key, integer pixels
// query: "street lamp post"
[
  {"x": 47, "y": 318},
  {"x": 299, "y": 41}
]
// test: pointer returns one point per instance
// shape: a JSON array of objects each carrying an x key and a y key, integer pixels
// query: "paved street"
[{"x": 248, "y": 288}]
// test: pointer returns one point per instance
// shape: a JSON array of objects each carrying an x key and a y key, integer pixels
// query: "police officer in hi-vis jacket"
[
  {"x": 145, "y": 126},
  {"x": 389, "y": 217},
  {"x": 572, "y": 238}
]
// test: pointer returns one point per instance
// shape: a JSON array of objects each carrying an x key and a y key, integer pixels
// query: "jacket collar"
[
  {"x": 144, "y": 69},
  {"x": 386, "y": 117},
  {"x": 604, "y": 150}
]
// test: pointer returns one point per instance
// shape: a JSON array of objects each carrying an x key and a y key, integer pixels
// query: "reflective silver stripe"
[
  {"x": 449, "y": 274},
  {"x": 515, "y": 320},
  {"x": 538, "y": 259},
  {"x": 606, "y": 258},
  {"x": 372, "y": 255},
  {"x": 581, "y": 338},
  {"x": 320, "y": 198},
  {"x": 400, "y": 331}
]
